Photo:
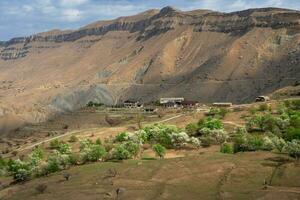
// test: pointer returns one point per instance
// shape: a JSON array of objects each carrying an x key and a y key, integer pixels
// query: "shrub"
[
  {"x": 292, "y": 104},
  {"x": 195, "y": 142},
  {"x": 159, "y": 150},
  {"x": 268, "y": 144},
  {"x": 73, "y": 159},
  {"x": 179, "y": 139},
  {"x": 227, "y": 148},
  {"x": 73, "y": 139},
  {"x": 191, "y": 129},
  {"x": 85, "y": 143},
  {"x": 93, "y": 153},
  {"x": 292, "y": 134},
  {"x": 98, "y": 141},
  {"x": 267, "y": 123},
  {"x": 158, "y": 133},
  {"x": 132, "y": 148},
  {"x": 94, "y": 104},
  {"x": 240, "y": 143},
  {"x": 210, "y": 123},
  {"x": 64, "y": 148},
  {"x": 120, "y": 153},
  {"x": 293, "y": 149},
  {"x": 122, "y": 137},
  {"x": 254, "y": 143},
  {"x": 218, "y": 112},
  {"x": 218, "y": 136},
  {"x": 206, "y": 141},
  {"x": 3, "y": 167},
  {"x": 57, "y": 161},
  {"x": 19, "y": 169},
  {"x": 36, "y": 156},
  {"x": 263, "y": 107},
  {"x": 279, "y": 143},
  {"x": 54, "y": 144},
  {"x": 252, "y": 110}
]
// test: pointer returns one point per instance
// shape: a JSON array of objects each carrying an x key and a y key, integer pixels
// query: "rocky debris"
[{"x": 120, "y": 192}]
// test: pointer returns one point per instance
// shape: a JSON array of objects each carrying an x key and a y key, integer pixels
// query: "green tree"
[
  {"x": 192, "y": 129},
  {"x": 159, "y": 150},
  {"x": 227, "y": 148}
]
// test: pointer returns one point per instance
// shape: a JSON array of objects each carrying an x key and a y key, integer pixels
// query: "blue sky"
[{"x": 26, "y": 17}]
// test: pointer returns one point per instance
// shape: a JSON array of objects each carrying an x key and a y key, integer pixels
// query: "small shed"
[
  {"x": 132, "y": 104},
  {"x": 189, "y": 104},
  {"x": 173, "y": 102},
  {"x": 262, "y": 99}
]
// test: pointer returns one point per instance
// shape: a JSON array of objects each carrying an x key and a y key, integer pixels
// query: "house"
[
  {"x": 222, "y": 104},
  {"x": 171, "y": 102},
  {"x": 150, "y": 109},
  {"x": 189, "y": 104},
  {"x": 132, "y": 104},
  {"x": 262, "y": 99}
]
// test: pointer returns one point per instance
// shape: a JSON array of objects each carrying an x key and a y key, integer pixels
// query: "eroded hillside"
[{"x": 202, "y": 55}]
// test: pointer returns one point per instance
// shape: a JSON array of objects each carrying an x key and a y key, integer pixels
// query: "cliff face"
[
  {"x": 202, "y": 55},
  {"x": 165, "y": 20}
]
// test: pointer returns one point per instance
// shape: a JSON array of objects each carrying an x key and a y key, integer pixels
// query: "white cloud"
[
  {"x": 71, "y": 15},
  {"x": 239, "y": 5},
  {"x": 73, "y": 2},
  {"x": 27, "y": 8}
]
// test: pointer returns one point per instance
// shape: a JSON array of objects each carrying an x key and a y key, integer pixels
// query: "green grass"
[{"x": 207, "y": 176}]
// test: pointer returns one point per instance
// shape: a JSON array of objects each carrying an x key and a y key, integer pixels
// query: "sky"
[{"x": 26, "y": 17}]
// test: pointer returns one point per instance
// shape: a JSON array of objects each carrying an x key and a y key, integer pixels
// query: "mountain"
[{"x": 201, "y": 55}]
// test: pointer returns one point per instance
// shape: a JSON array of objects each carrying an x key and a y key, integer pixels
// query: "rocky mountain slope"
[{"x": 201, "y": 55}]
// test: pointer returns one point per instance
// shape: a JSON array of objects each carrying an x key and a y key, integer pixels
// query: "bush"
[
  {"x": 268, "y": 144},
  {"x": 240, "y": 144},
  {"x": 19, "y": 169},
  {"x": 227, "y": 148},
  {"x": 180, "y": 140},
  {"x": 36, "y": 156},
  {"x": 206, "y": 141},
  {"x": 279, "y": 143},
  {"x": 73, "y": 159},
  {"x": 191, "y": 129},
  {"x": 132, "y": 148},
  {"x": 195, "y": 142},
  {"x": 54, "y": 144},
  {"x": 218, "y": 136},
  {"x": 64, "y": 148},
  {"x": 73, "y": 139},
  {"x": 98, "y": 141},
  {"x": 122, "y": 137},
  {"x": 210, "y": 123},
  {"x": 218, "y": 112},
  {"x": 120, "y": 153},
  {"x": 159, "y": 150},
  {"x": 292, "y": 104},
  {"x": 263, "y": 107},
  {"x": 292, "y": 134},
  {"x": 85, "y": 143},
  {"x": 94, "y": 104},
  {"x": 93, "y": 153},
  {"x": 158, "y": 133},
  {"x": 57, "y": 161},
  {"x": 254, "y": 143},
  {"x": 267, "y": 123},
  {"x": 293, "y": 149}
]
